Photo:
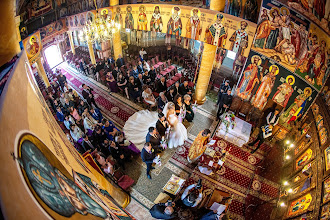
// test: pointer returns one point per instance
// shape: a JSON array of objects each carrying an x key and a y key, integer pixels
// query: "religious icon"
[
  {"x": 174, "y": 26},
  {"x": 327, "y": 158},
  {"x": 303, "y": 159},
  {"x": 33, "y": 48},
  {"x": 300, "y": 205},
  {"x": 233, "y": 7},
  {"x": 323, "y": 133},
  {"x": 315, "y": 109},
  {"x": 82, "y": 19},
  {"x": 156, "y": 24},
  {"x": 193, "y": 27},
  {"x": 76, "y": 20},
  {"x": 284, "y": 91},
  {"x": 251, "y": 10},
  {"x": 71, "y": 22},
  {"x": 142, "y": 28},
  {"x": 216, "y": 34},
  {"x": 296, "y": 179},
  {"x": 90, "y": 16},
  {"x": 325, "y": 213},
  {"x": 58, "y": 25},
  {"x": 319, "y": 121},
  {"x": 249, "y": 78},
  {"x": 265, "y": 88},
  {"x": 294, "y": 108},
  {"x": 118, "y": 18},
  {"x": 129, "y": 21},
  {"x": 239, "y": 40},
  {"x": 105, "y": 14},
  {"x": 326, "y": 190}
]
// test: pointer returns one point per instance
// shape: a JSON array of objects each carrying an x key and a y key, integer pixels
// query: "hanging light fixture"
[{"x": 99, "y": 29}]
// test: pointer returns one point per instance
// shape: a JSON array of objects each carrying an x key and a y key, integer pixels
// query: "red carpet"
[{"x": 118, "y": 111}]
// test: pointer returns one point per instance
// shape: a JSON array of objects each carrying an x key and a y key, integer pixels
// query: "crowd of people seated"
[{"x": 86, "y": 128}]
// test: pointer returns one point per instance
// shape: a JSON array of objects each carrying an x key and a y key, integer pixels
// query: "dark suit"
[
  {"x": 89, "y": 99},
  {"x": 147, "y": 158},
  {"x": 157, "y": 211},
  {"x": 155, "y": 141},
  {"x": 225, "y": 100},
  {"x": 152, "y": 74},
  {"x": 224, "y": 89},
  {"x": 169, "y": 96},
  {"x": 87, "y": 146},
  {"x": 161, "y": 87},
  {"x": 134, "y": 73},
  {"x": 184, "y": 90},
  {"x": 60, "y": 116},
  {"x": 140, "y": 69},
  {"x": 176, "y": 90},
  {"x": 111, "y": 60},
  {"x": 160, "y": 128},
  {"x": 120, "y": 62},
  {"x": 97, "y": 115}
]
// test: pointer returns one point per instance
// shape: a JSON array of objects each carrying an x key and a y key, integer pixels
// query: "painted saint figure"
[
  {"x": 129, "y": 24},
  {"x": 239, "y": 40},
  {"x": 118, "y": 18},
  {"x": 156, "y": 24},
  {"x": 265, "y": 88},
  {"x": 193, "y": 27},
  {"x": 142, "y": 29},
  {"x": 34, "y": 46},
  {"x": 174, "y": 27},
  {"x": 216, "y": 34},
  {"x": 249, "y": 78},
  {"x": 284, "y": 91}
]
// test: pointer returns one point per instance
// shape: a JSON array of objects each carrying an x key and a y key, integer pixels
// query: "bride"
[{"x": 136, "y": 127}]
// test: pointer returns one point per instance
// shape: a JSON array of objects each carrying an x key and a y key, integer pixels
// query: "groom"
[
  {"x": 161, "y": 124},
  {"x": 154, "y": 138}
]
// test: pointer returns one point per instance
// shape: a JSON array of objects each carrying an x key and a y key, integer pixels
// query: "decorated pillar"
[
  {"x": 205, "y": 71},
  {"x": 41, "y": 72},
  {"x": 91, "y": 52},
  {"x": 117, "y": 49},
  {"x": 18, "y": 32},
  {"x": 114, "y": 2},
  {"x": 71, "y": 42},
  {"x": 9, "y": 40},
  {"x": 217, "y": 5}
]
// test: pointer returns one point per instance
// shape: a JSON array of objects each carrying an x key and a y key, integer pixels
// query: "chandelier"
[{"x": 99, "y": 29}]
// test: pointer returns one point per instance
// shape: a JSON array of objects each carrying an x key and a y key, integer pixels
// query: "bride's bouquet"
[
  {"x": 182, "y": 115},
  {"x": 194, "y": 107},
  {"x": 157, "y": 160}
]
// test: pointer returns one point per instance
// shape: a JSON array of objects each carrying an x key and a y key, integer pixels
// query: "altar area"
[{"x": 239, "y": 135}]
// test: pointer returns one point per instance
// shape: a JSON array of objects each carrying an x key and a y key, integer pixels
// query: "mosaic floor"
[{"x": 238, "y": 176}]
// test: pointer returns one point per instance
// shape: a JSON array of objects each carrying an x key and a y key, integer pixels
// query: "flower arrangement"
[
  {"x": 228, "y": 119},
  {"x": 194, "y": 107}
]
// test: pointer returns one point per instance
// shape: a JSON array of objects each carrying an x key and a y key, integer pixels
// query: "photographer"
[
  {"x": 163, "y": 210},
  {"x": 192, "y": 195}
]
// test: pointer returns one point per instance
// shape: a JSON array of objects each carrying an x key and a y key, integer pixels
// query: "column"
[
  {"x": 117, "y": 49},
  {"x": 91, "y": 52},
  {"x": 217, "y": 5},
  {"x": 41, "y": 72},
  {"x": 71, "y": 42},
  {"x": 9, "y": 40},
  {"x": 114, "y": 2},
  {"x": 18, "y": 22},
  {"x": 205, "y": 72}
]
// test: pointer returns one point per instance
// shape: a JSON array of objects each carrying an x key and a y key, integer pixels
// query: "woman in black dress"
[
  {"x": 133, "y": 89},
  {"x": 189, "y": 112},
  {"x": 122, "y": 84}
]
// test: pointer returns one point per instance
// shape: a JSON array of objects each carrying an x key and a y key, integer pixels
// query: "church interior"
[{"x": 165, "y": 109}]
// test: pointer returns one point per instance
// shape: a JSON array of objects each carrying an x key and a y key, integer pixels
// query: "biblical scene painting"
[
  {"x": 327, "y": 158},
  {"x": 282, "y": 34},
  {"x": 325, "y": 212},
  {"x": 300, "y": 205},
  {"x": 314, "y": 66},
  {"x": 55, "y": 189},
  {"x": 39, "y": 7},
  {"x": 304, "y": 159},
  {"x": 32, "y": 45},
  {"x": 264, "y": 79}
]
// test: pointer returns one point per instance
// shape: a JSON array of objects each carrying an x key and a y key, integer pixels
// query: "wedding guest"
[
  {"x": 266, "y": 130},
  {"x": 66, "y": 88},
  {"x": 140, "y": 67},
  {"x": 121, "y": 140},
  {"x": 211, "y": 215},
  {"x": 176, "y": 88},
  {"x": 199, "y": 145},
  {"x": 82, "y": 68},
  {"x": 62, "y": 98},
  {"x": 133, "y": 89},
  {"x": 224, "y": 103},
  {"x": 68, "y": 104},
  {"x": 118, "y": 154},
  {"x": 115, "y": 72},
  {"x": 154, "y": 138},
  {"x": 112, "y": 84},
  {"x": 89, "y": 125},
  {"x": 161, "y": 86},
  {"x": 109, "y": 128},
  {"x": 179, "y": 106},
  {"x": 148, "y": 156},
  {"x": 73, "y": 111},
  {"x": 192, "y": 195},
  {"x": 61, "y": 79},
  {"x": 146, "y": 78},
  {"x": 170, "y": 95},
  {"x": 148, "y": 96},
  {"x": 98, "y": 136},
  {"x": 120, "y": 61},
  {"x": 96, "y": 114},
  {"x": 161, "y": 100},
  {"x": 163, "y": 211},
  {"x": 88, "y": 95},
  {"x": 76, "y": 133},
  {"x": 122, "y": 84},
  {"x": 72, "y": 95},
  {"x": 224, "y": 87},
  {"x": 162, "y": 125},
  {"x": 146, "y": 66},
  {"x": 111, "y": 60},
  {"x": 139, "y": 81},
  {"x": 87, "y": 144},
  {"x": 68, "y": 121},
  {"x": 60, "y": 114},
  {"x": 184, "y": 89},
  {"x": 142, "y": 52},
  {"x": 81, "y": 107},
  {"x": 152, "y": 73},
  {"x": 134, "y": 72},
  {"x": 189, "y": 111}
]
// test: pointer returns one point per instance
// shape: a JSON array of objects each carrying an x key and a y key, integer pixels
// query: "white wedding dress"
[{"x": 136, "y": 128}]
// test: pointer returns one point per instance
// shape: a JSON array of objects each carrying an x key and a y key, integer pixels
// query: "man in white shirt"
[
  {"x": 192, "y": 195},
  {"x": 266, "y": 130}
]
